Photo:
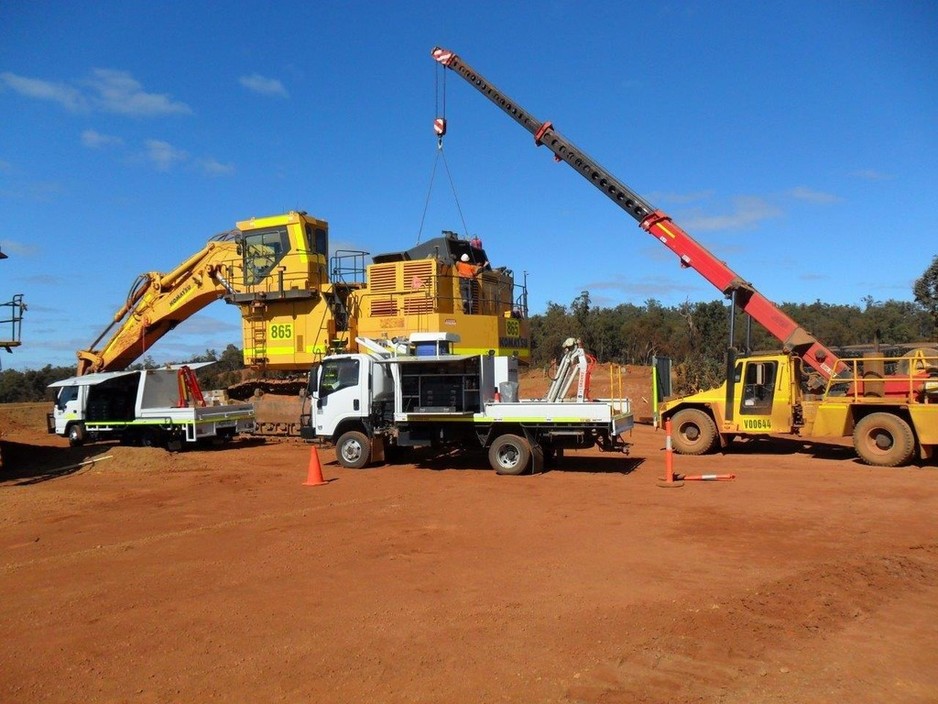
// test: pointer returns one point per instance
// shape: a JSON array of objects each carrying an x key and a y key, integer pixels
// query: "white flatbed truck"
[
  {"x": 144, "y": 407},
  {"x": 370, "y": 406}
]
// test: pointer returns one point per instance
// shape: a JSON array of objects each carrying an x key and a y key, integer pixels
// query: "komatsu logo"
[
  {"x": 179, "y": 296},
  {"x": 521, "y": 342}
]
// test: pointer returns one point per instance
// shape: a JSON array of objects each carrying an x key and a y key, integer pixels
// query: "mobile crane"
[
  {"x": 890, "y": 407},
  {"x": 297, "y": 303}
]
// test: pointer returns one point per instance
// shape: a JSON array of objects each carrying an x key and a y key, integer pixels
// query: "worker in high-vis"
[{"x": 467, "y": 272}]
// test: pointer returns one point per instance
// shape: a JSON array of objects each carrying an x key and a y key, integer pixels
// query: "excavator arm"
[
  {"x": 794, "y": 338},
  {"x": 157, "y": 303}
]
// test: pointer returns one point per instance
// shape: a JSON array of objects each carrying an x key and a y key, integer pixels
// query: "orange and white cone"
[
  {"x": 670, "y": 480},
  {"x": 314, "y": 474}
]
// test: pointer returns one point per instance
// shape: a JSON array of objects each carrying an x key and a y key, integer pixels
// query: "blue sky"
[{"x": 797, "y": 141}]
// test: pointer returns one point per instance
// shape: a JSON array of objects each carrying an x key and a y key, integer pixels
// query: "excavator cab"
[{"x": 296, "y": 244}]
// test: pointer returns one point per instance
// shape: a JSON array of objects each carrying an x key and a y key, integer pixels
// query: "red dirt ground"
[{"x": 217, "y": 575}]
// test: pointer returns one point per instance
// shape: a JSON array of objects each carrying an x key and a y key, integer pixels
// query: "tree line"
[
  {"x": 31, "y": 385},
  {"x": 694, "y": 335}
]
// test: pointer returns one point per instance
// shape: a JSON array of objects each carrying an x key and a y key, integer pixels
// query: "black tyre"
[
  {"x": 150, "y": 438},
  {"x": 693, "y": 432},
  {"x": 510, "y": 454},
  {"x": 883, "y": 440},
  {"x": 353, "y": 450},
  {"x": 76, "y": 435}
]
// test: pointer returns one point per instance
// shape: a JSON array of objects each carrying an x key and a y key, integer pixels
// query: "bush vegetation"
[{"x": 693, "y": 335}]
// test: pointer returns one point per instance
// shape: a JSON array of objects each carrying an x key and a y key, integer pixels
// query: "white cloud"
[
  {"x": 647, "y": 286},
  {"x": 264, "y": 86},
  {"x": 105, "y": 90},
  {"x": 804, "y": 193},
  {"x": 14, "y": 247},
  {"x": 68, "y": 97},
  {"x": 680, "y": 198},
  {"x": 118, "y": 91},
  {"x": 872, "y": 175},
  {"x": 215, "y": 168},
  {"x": 747, "y": 211},
  {"x": 164, "y": 155},
  {"x": 40, "y": 191},
  {"x": 95, "y": 140}
]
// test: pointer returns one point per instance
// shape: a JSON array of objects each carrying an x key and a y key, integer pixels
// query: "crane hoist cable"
[{"x": 439, "y": 128}]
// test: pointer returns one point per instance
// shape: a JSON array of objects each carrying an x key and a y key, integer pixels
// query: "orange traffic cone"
[
  {"x": 670, "y": 480},
  {"x": 314, "y": 475}
]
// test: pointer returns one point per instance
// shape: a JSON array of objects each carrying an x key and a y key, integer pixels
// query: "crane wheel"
[
  {"x": 884, "y": 440},
  {"x": 693, "y": 432},
  {"x": 510, "y": 454}
]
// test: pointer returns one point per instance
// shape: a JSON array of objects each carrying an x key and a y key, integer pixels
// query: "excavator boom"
[
  {"x": 157, "y": 303},
  {"x": 794, "y": 338}
]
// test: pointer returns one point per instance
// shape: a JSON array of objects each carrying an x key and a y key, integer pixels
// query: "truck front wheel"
[
  {"x": 353, "y": 450},
  {"x": 76, "y": 435},
  {"x": 883, "y": 440},
  {"x": 510, "y": 454},
  {"x": 694, "y": 432}
]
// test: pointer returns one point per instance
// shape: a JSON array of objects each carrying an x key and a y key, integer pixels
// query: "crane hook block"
[{"x": 439, "y": 126}]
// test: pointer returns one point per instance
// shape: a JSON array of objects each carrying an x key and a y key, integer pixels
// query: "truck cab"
[
  {"x": 346, "y": 388},
  {"x": 763, "y": 397}
]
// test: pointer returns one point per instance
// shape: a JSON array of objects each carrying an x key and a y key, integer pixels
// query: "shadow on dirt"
[
  {"x": 606, "y": 464},
  {"x": 790, "y": 446},
  {"x": 819, "y": 449},
  {"x": 612, "y": 463},
  {"x": 25, "y": 464}
]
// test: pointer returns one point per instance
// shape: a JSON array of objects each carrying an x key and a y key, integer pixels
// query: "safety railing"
[
  {"x": 911, "y": 379},
  {"x": 11, "y": 319}
]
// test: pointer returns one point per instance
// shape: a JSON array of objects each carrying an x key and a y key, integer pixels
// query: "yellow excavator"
[{"x": 298, "y": 303}]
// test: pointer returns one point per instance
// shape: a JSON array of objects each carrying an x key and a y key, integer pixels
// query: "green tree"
[
  {"x": 548, "y": 332},
  {"x": 925, "y": 290}
]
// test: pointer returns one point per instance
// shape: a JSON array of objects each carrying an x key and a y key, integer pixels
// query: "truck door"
[
  {"x": 67, "y": 407},
  {"x": 756, "y": 393},
  {"x": 340, "y": 394}
]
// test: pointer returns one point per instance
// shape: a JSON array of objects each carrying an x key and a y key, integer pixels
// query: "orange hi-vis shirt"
[{"x": 467, "y": 270}]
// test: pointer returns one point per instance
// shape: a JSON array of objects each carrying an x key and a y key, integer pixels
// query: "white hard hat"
[
  {"x": 464, "y": 258},
  {"x": 569, "y": 342}
]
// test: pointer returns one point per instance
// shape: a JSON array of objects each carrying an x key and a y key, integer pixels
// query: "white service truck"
[
  {"x": 144, "y": 407},
  {"x": 372, "y": 405}
]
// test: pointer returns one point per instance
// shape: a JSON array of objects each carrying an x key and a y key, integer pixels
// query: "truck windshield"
[
  {"x": 338, "y": 374},
  {"x": 66, "y": 394},
  {"x": 263, "y": 250}
]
